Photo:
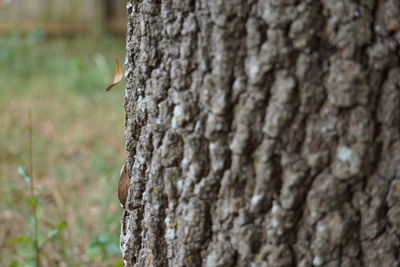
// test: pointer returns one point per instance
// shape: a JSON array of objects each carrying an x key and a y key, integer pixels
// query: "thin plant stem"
[{"x": 36, "y": 248}]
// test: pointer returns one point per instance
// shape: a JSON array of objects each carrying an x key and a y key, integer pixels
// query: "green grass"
[{"x": 78, "y": 149}]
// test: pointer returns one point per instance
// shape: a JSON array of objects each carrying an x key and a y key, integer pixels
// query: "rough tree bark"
[{"x": 263, "y": 133}]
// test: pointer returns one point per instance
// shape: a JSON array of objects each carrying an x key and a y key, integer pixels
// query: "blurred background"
[{"x": 56, "y": 58}]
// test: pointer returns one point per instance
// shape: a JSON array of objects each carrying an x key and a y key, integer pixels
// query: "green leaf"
[
  {"x": 33, "y": 201},
  {"x": 62, "y": 225},
  {"x": 14, "y": 264},
  {"x": 21, "y": 239},
  {"x": 52, "y": 233},
  {"x": 22, "y": 171},
  {"x": 119, "y": 263}
]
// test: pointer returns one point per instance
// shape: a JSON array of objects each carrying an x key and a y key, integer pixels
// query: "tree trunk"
[{"x": 262, "y": 133}]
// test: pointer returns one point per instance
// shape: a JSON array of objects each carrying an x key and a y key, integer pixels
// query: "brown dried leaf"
[
  {"x": 123, "y": 186},
  {"x": 393, "y": 27},
  {"x": 118, "y": 75}
]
